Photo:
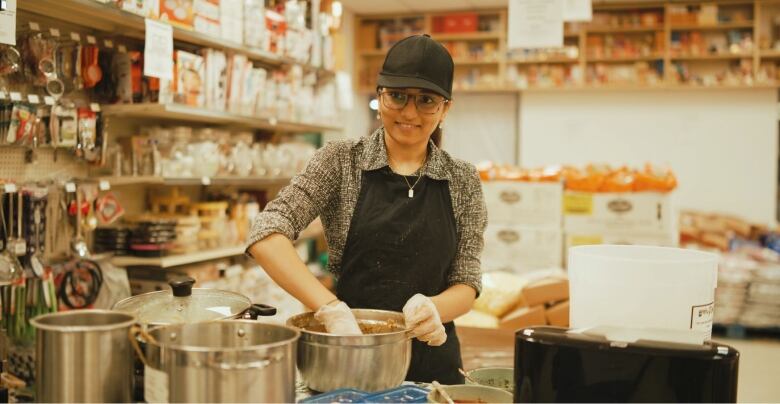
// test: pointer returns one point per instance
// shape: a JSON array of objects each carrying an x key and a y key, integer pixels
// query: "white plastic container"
[{"x": 645, "y": 288}]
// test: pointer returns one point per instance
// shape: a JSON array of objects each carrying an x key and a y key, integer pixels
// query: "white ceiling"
[{"x": 415, "y": 6}]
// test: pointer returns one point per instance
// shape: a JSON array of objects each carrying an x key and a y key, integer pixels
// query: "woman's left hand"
[{"x": 422, "y": 317}]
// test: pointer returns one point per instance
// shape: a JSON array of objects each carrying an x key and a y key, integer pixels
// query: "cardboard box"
[
  {"x": 206, "y": 18},
  {"x": 546, "y": 291},
  {"x": 520, "y": 249},
  {"x": 232, "y": 20},
  {"x": 558, "y": 315},
  {"x": 632, "y": 213},
  {"x": 523, "y": 317},
  {"x": 254, "y": 23},
  {"x": 526, "y": 203},
  {"x": 144, "y": 8}
]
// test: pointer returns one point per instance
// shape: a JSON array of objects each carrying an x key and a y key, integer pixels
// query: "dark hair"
[{"x": 436, "y": 136}]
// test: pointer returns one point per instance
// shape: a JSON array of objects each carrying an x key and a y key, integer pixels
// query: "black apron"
[{"x": 397, "y": 247}]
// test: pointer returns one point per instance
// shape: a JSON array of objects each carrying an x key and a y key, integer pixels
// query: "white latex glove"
[
  {"x": 423, "y": 319},
  {"x": 338, "y": 319}
]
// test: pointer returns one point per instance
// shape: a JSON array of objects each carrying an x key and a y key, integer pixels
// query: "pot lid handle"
[{"x": 182, "y": 287}]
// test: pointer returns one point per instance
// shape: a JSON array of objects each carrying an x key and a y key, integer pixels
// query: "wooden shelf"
[
  {"x": 714, "y": 27},
  {"x": 179, "y": 259},
  {"x": 770, "y": 54},
  {"x": 624, "y": 59},
  {"x": 372, "y": 52},
  {"x": 475, "y": 62},
  {"x": 611, "y": 30},
  {"x": 727, "y": 56},
  {"x": 468, "y": 36},
  {"x": 542, "y": 61},
  {"x": 108, "y": 18},
  {"x": 216, "y": 181},
  {"x": 183, "y": 113}
]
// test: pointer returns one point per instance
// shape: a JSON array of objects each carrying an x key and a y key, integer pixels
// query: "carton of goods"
[
  {"x": 526, "y": 203},
  {"x": 501, "y": 291},
  {"x": 477, "y": 319},
  {"x": 520, "y": 249},
  {"x": 206, "y": 19},
  {"x": 546, "y": 291},
  {"x": 558, "y": 314},
  {"x": 640, "y": 213},
  {"x": 180, "y": 13},
  {"x": 523, "y": 317}
]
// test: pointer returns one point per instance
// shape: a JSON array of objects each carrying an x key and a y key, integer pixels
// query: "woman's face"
[{"x": 408, "y": 125}]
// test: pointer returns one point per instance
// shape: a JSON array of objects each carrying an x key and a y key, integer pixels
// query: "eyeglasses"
[{"x": 425, "y": 103}]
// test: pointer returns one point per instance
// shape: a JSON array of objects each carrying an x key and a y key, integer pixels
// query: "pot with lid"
[{"x": 184, "y": 304}]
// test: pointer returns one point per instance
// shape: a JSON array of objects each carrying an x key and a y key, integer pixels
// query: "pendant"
[{"x": 411, "y": 193}]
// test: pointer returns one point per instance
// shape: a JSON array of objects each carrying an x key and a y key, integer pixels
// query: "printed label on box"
[
  {"x": 578, "y": 204},
  {"x": 701, "y": 318}
]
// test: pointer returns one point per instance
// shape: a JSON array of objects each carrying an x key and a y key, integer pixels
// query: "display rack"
[{"x": 750, "y": 17}]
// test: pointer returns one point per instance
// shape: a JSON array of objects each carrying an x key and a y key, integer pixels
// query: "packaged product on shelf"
[
  {"x": 239, "y": 67},
  {"x": 207, "y": 17},
  {"x": 276, "y": 27},
  {"x": 177, "y": 12},
  {"x": 232, "y": 20},
  {"x": 144, "y": 8},
  {"x": 254, "y": 24},
  {"x": 260, "y": 79},
  {"x": 189, "y": 79},
  {"x": 216, "y": 79},
  {"x": 255, "y": 80}
]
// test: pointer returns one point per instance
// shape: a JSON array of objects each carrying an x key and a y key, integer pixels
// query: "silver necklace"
[{"x": 419, "y": 176}]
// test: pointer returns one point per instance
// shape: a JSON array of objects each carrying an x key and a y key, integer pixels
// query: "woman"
[{"x": 404, "y": 221}]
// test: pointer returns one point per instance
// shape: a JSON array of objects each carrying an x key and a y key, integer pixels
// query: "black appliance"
[{"x": 552, "y": 365}]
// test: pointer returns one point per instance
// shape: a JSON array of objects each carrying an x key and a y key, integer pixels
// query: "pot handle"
[
  {"x": 135, "y": 332},
  {"x": 257, "y": 310},
  {"x": 253, "y": 365}
]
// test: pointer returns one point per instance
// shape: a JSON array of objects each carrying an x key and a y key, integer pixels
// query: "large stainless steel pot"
[
  {"x": 370, "y": 362},
  {"x": 221, "y": 361},
  {"x": 83, "y": 356}
]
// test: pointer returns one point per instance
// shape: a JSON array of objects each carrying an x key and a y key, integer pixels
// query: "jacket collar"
[{"x": 374, "y": 156}]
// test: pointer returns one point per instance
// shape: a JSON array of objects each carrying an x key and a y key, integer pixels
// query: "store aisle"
[{"x": 758, "y": 369}]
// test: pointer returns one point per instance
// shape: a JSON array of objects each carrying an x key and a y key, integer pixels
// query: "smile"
[{"x": 407, "y": 126}]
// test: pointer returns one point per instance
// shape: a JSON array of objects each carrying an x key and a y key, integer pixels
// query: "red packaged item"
[{"x": 460, "y": 22}]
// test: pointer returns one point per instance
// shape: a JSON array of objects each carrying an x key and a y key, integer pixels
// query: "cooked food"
[{"x": 366, "y": 327}]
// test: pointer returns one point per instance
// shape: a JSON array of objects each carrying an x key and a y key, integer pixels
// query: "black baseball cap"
[{"x": 418, "y": 61}]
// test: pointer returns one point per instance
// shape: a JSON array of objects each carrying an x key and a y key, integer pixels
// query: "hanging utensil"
[
  {"x": 10, "y": 268},
  {"x": 79, "y": 245},
  {"x": 20, "y": 248}
]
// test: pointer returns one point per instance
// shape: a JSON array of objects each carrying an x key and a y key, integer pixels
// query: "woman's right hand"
[{"x": 338, "y": 319}]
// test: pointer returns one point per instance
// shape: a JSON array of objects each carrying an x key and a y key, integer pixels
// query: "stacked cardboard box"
[
  {"x": 524, "y": 226},
  {"x": 643, "y": 218},
  {"x": 511, "y": 302}
]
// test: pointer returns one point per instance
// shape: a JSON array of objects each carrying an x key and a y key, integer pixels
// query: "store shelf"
[
  {"x": 217, "y": 181},
  {"x": 624, "y": 59},
  {"x": 475, "y": 62},
  {"x": 179, "y": 259},
  {"x": 183, "y": 113},
  {"x": 726, "y": 56},
  {"x": 467, "y": 36},
  {"x": 542, "y": 61},
  {"x": 372, "y": 52},
  {"x": 714, "y": 27},
  {"x": 617, "y": 30},
  {"x": 107, "y": 18},
  {"x": 770, "y": 54}
]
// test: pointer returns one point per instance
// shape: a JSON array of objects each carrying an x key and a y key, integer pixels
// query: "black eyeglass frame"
[{"x": 410, "y": 96}]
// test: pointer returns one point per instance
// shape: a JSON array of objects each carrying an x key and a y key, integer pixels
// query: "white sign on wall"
[
  {"x": 158, "y": 50},
  {"x": 577, "y": 10},
  {"x": 535, "y": 24}
]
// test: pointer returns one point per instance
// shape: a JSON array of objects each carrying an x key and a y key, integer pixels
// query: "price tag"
[
  {"x": 104, "y": 185},
  {"x": 33, "y": 98},
  {"x": 34, "y": 26},
  {"x": 48, "y": 100},
  {"x": 75, "y": 36},
  {"x": 95, "y": 107},
  {"x": 16, "y": 96},
  {"x": 121, "y": 49},
  {"x": 273, "y": 121},
  {"x": 54, "y": 32},
  {"x": 205, "y": 181},
  {"x": 70, "y": 187},
  {"x": 108, "y": 44},
  {"x": 10, "y": 188},
  {"x": 91, "y": 40}
]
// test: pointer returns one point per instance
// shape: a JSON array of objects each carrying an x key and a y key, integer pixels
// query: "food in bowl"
[
  {"x": 464, "y": 393},
  {"x": 502, "y": 378},
  {"x": 367, "y": 327}
]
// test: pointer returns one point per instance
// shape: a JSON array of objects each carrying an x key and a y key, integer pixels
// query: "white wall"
[
  {"x": 722, "y": 145},
  {"x": 482, "y": 127}
]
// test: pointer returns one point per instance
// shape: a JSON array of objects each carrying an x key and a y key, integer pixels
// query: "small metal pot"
[
  {"x": 370, "y": 362},
  {"x": 221, "y": 361}
]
